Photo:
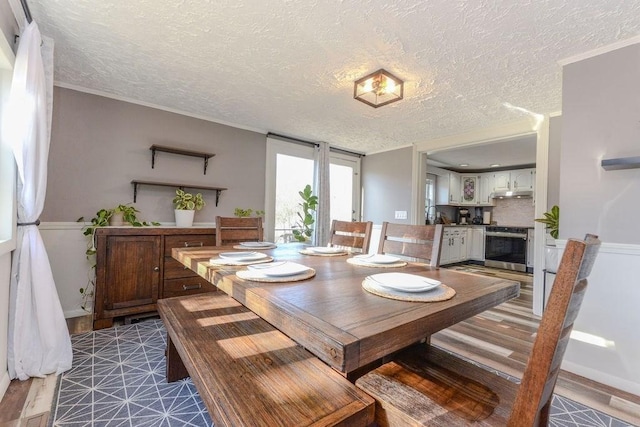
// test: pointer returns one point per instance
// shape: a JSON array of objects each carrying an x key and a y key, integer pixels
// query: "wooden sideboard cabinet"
[{"x": 134, "y": 269}]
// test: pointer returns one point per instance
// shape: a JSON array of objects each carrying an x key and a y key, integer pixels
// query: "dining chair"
[
  {"x": 424, "y": 385},
  {"x": 415, "y": 241},
  {"x": 234, "y": 230},
  {"x": 351, "y": 235}
]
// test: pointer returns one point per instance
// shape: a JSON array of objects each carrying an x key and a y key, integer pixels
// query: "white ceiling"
[
  {"x": 506, "y": 153},
  {"x": 288, "y": 66}
]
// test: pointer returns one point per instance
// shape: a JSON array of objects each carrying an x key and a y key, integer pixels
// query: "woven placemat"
[
  {"x": 251, "y": 275},
  {"x": 314, "y": 253},
  {"x": 254, "y": 248},
  {"x": 225, "y": 262},
  {"x": 441, "y": 293},
  {"x": 356, "y": 261}
]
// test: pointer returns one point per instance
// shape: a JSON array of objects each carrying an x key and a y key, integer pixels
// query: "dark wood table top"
[{"x": 335, "y": 318}]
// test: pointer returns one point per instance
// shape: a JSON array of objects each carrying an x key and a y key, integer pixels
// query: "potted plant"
[
  {"x": 185, "y": 206},
  {"x": 303, "y": 230},
  {"x": 552, "y": 252},
  {"x": 244, "y": 213}
]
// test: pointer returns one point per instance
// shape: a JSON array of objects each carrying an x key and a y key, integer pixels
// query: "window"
[
  {"x": 290, "y": 167},
  {"x": 7, "y": 164},
  {"x": 344, "y": 179}
]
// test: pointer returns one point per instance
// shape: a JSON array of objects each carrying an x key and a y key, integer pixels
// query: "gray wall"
[
  {"x": 601, "y": 107},
  {"x": 386, "y": 183},
  {"x": 98, "y": 145}
]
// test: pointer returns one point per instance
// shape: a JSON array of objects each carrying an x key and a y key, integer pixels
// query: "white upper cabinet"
[
  {"x": 523, "y": 179},
  {"x": 470, "y": 189},
  {"x": 486, "y": 188},
  {"x": 448, "y": 189},
  {"x": 515, "y": 180}
]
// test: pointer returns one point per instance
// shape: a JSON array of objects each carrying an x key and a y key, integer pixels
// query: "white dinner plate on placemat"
[
  {"x": 279, "y": 269},
  {"x": 326, "y": 250},
  {"x": 404, "y": 282},
  {"x": 257, "y": 244},
  {"x": 242, "y": 256},
  {"x": 377, "y": 258}
]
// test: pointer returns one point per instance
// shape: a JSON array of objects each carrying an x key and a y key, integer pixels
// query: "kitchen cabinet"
[
  {"x": 448, "y": 189},
  {"x": 470, "y": 189},
  {"x": 134, "y": 269},
  {"x": 454, "y": 245},
  {"x": 486, "y": 188},
  {"x": 476, "y": 190},
  {"x": 476, "y": 243},
  {"x": 519, "y": 179}
]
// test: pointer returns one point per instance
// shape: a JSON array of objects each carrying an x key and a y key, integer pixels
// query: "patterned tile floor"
[{"x": 118, "y": 379}]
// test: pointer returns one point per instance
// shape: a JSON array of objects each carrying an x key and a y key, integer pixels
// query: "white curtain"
[
  {"x": 323, "y": 213},
  {"x": 39, "y": 342}
]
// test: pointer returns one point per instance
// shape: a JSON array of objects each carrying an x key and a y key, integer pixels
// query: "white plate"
[
  {"x": 242, "y": 256},
  {"x": 404, "y": 282},
  {"x": 326, "y": 250},
  {"x": 281, "y": 269},
  {"x": 377, "y": 258},
  {"x": 256, "y": 244}
]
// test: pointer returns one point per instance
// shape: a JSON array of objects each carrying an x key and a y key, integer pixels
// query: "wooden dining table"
[{"x": 333, "y": 317}]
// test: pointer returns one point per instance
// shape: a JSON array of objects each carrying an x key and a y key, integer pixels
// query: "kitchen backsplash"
[{"x": 515, "y": 212}]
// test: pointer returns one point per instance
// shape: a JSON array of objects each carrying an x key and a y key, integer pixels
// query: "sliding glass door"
[{"x": 290, "y": 167}]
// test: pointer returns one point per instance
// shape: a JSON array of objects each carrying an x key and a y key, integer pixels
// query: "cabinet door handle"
[
  {"x": 192, "y": 244},
  {"x": 191, "y": 287},
  {"x": 156, "y": 268}
]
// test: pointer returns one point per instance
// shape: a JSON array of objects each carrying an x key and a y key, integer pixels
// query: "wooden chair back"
[
  {"x": 234, "y": 230},
  {"x": 354, "y": 235},
  {"x": 533, "y": 400},
  {"x": 424, "y": 385},
  {"x": 415, "y": 241}
]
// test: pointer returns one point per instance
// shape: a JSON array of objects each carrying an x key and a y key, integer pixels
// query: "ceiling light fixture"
[
  {"x": 378, "y": 89},
  {"x": 495, "y": 165},
  {"x": 463, "y": 165}
]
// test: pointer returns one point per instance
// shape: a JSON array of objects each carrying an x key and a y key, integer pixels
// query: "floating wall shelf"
[
  {"x": 622, "y": 163},
  {"x": 137, "y": 183},
  {"x": 155, "y": 148}
]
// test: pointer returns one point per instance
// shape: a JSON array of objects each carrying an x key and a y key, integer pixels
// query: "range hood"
[{"x": 522, "y": 194}]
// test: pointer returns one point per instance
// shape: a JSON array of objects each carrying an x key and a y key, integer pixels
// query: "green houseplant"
[
  {"x": 303, "y": 230},
  {"x": 244, "y": 213},
  {"x": 551, "y": 220},
  {"x": 185, "y": 206}
]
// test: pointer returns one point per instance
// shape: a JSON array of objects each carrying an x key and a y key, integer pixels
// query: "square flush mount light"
[{"x": 378, "y": 89}]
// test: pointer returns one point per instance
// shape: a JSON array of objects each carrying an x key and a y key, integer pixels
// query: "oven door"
[{"x": 506, "y": 250}]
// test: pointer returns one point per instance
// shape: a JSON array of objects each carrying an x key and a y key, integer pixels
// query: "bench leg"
[{"x": 175, "y": 368}]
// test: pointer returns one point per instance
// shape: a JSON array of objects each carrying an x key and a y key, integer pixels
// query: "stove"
[{"x": 506, "y": 247}]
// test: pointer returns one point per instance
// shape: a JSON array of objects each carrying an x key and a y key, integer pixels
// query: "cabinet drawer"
[
  {"x": 186, "y": 286},
  {"x": 188, "y": 241},
  {"x": 174, "y": 269}
]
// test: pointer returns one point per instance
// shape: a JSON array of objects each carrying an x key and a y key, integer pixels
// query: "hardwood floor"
[{"x": 500, "y": 338}]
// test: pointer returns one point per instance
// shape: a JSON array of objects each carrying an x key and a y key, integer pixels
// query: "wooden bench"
[{"x": 249, "y": 373}]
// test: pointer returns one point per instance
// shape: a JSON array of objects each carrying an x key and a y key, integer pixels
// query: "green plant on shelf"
[{"x": 188, "y": 201}]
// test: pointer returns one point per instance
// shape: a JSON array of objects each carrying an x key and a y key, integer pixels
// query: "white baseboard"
[
  {"x": 68, "y": 314},
  {"x": 602, "y": 377}
]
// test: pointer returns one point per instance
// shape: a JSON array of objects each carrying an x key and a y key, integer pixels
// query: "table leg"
[{"x": 175, "y": 368}]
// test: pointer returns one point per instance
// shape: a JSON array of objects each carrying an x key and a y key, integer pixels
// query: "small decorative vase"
[
  {"x": 116, "y": 219},
  {"x": 184, "y": 217}
]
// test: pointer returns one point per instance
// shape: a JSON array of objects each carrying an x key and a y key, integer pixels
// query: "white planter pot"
[
  {"x": 117, "y": 219},
  {"x": 184, "y": 218},
  {"x": 552, "y": 257}
]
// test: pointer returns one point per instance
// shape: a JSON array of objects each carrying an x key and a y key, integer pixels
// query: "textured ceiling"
[{"x": 288, "y": 66}]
